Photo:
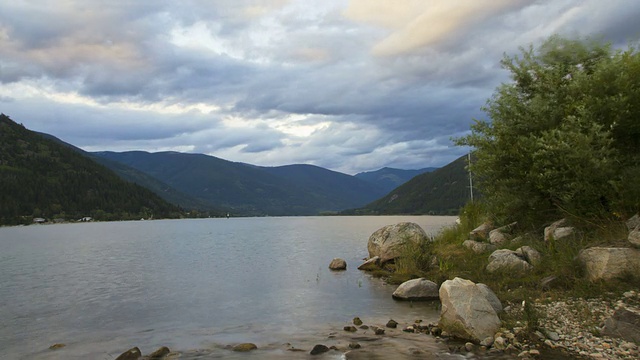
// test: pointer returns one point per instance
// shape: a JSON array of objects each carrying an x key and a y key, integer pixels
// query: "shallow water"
[{"x": 198, "y": 286}]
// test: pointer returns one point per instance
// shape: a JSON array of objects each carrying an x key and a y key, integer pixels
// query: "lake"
[{"x": 196, "y": 286}]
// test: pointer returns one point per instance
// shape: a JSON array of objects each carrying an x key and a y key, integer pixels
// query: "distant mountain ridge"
[
  {"x": 252, "y": 190},
  {"x": 441, "y": 192},
  {"x": 389, "y": 178},
  {"x": 41, "y": 178}
]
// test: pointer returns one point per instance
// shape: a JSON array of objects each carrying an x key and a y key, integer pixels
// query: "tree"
[{"x": 564, "y": 135}]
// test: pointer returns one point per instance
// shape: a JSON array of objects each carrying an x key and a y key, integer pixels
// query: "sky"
[{"x": 349, "y": 85}]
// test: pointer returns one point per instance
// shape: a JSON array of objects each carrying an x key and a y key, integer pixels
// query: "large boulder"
[
  {"x": 609, "y": 263},
  {"x": 479, "y": 247},
  {"x": 491, "y": 297},
  {"x": 466, "y": 313},
  {"x": 505, "y": 260},
  {"x": 481, "y": 233},
  {"x": 417, "y": 289},
  {"x": 558, "y": 230},
  {"x": 388, "y": 242},
  {"x": 623, "y": 324}
]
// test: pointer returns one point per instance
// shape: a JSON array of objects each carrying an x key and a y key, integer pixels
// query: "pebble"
[{"x": 574, "y": 325}]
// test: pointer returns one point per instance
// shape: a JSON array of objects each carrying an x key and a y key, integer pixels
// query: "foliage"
[
  {"x": 564, "y": 135},
  {"x": 441, "y": 192},
  {"x": 41, "y": 178}
]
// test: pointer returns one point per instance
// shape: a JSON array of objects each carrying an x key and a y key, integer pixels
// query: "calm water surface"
[{"x": 102, "y": 288}]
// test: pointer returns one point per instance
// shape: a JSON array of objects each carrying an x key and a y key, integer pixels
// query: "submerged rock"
[
  {"x": 319, "y": 349},
  {"x": 357, "y": 321},
  {"x": 56, "y": 346},
  {"x": 159, "y": 354},
  {"x": 244, "y": 347},
  {"x": 131, "y": 354}
]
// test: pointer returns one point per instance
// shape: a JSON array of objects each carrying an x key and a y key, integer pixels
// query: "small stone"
[
  {"x": 534, "y": 352},
  {"x": 56, "y": 346},
  {"x": 552, "y": 335},
  {"x": 338, "y": 264},
  {"x": 524, "y": 354},
  {"x": 357, "y": 321},
  {"x": 392, "y": 324},
  {"x": 159, "y": 354},
  {"x": 354, "y": 345},
  {"x": 364, "y": 327},
  {"x": 409, "y": 329},
  {"x": 319, "y": 349},
  {"x": 469, "y": 347},
  {"x": 131, "y": 354},
  {"x": 488, "y": 341},
  {"x": 379, "y": 331},
  {"x": 244, "y": 347},
  {"x": 350, "y": 328},
  {"x": 499, "y": 343}
]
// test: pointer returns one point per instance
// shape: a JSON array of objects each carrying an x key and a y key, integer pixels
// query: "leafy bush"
[{"x": 563, "y": 136}]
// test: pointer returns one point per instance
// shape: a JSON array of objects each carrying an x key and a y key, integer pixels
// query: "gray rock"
[
  {"x": 633, "y": 222},
  {"x": 319, "y": 349},
  {"x": 417, "y": 289},
  {"x": 371, "y": 264},
  {"x": 392, "y": 324},
  {"x": 466, "y": 313},
  {"x": 388, "y": 242},
  {"x": 338, "y": 264},
  {"x": 558, "y": 230},
  {"x": 531, "y": 255},
  {"x": 502, "y": 235},
  {"x": 479, "y": 247},
  {"x": 481, "y": 232},
  {"x": 131, "y": 354},
  {"x": 551, "y": 335},
  {"x": 507, "y": 260},
  {"x": 634, "y": 236},
  {"x": 623, "y": 324},
  {"x": 491, "y": 297},
  {"x": 609, "y": 263}
]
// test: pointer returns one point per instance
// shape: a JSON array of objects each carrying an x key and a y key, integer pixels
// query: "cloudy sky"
[{"x": 350, "y": 85}]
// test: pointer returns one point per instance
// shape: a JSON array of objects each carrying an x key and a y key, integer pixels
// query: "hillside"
[
  {"x": 390, "y": 178},
  {"x": 443, "y": 191},
  {"x": 42, "y": 178},
  {"x": 132, "y": 175},
  {"x": 252, "y": 190}
]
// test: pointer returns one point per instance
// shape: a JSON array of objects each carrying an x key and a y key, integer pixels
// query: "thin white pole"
[{"x": 470, "y": 178}]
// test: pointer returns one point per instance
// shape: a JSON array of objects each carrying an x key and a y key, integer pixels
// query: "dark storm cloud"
[{"x": 350, "y": 85}]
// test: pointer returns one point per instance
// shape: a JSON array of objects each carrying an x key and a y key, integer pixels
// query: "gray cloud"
[{"x": 349, "y": 85}]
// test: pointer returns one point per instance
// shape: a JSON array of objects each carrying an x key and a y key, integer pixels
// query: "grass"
[{"x": 443, "y": 258}]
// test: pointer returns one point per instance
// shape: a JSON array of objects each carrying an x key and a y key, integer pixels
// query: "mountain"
[
  {"x": 443, "y": 191},
  {"x": 249, "y": 189},
  {"x": 40, "y": 177},
  {"x": 132, "y": 175},
  {"x": 390, "y": 178}
]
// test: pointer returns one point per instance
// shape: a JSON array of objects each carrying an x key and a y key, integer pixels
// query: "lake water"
[{"x": 196, "y": 286}]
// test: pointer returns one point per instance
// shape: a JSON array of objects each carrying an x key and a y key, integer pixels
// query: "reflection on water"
[{"x": 102, "y": 288}]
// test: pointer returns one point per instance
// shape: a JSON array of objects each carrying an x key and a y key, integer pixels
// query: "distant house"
[
  {"x": 86, "y": 218},
  {"x": 39, "y": 220}
]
